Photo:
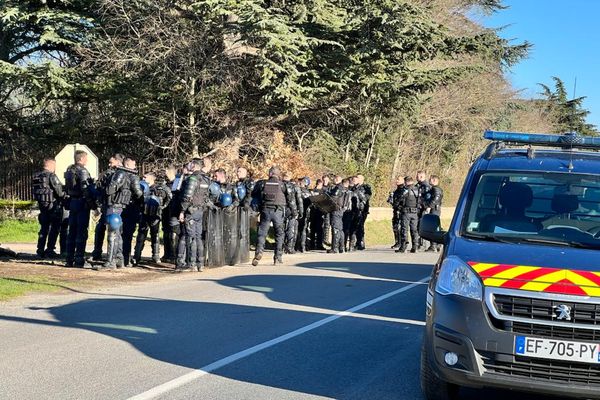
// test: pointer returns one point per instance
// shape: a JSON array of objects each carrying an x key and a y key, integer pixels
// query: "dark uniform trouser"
[
  {"x": 148, "y": 224},
  {"x": 291, "y": 228},
  {"x": 50, "y": 224},
  {"x": 114, "y": 250},
  {"x": 79, "y": 220},
  {"x": 131, "y": 216},
  {"x": 396, "y": 226},
  {"x": 175, "y": 228},
  {"x": 316, "y": 228},
  {"x": 190, "y": 249},
  {"x": 410, "y": 222},
  {"x": 166, "y": 230},
  {"x": 422, "y": 242},
  {"x": 360, "y": 229},
  {"x": 301, "y": 237},
  {"x": 354, "y": 223},
  {"x": 337, "y": 236},
  {"x": 99, "y": 234},
  {"x": 268, "y": 215},
  {"x": 64, "y": 230},
  {"x": 347, "y": 224}
]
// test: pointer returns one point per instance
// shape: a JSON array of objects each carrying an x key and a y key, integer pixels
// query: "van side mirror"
[{"x": 430, "y": 229}]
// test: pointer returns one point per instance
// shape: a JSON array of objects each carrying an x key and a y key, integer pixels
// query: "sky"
[{"x": 566, "y": 43}]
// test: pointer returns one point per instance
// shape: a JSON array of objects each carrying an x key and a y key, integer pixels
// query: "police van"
[{"x": 514, "y": 300}]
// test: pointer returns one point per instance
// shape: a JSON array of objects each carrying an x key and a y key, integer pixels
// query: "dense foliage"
[{"x": 383, "y": 87}]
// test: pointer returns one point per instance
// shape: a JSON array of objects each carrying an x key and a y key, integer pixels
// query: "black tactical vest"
[
  {"x": 200, "y": 195},
  {"x": 412, "y": 197},
  {"x": 42, "y": 192},
  {"x": 123, "y": 193},
  {"x": 273, "y": 193},
  {"x": 72, "y": 182}
]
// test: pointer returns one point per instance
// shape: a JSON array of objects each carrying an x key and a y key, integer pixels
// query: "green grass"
[
  {"x": 15, "y": 287},
  {"x": 379, "y": 233},
  {"x": 18, "y": 231}
]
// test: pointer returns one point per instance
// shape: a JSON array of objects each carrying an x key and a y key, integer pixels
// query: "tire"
[{"x": 432, "y": 386}]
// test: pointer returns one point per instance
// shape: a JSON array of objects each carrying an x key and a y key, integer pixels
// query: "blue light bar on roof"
[{"x": 543, "y": 139}]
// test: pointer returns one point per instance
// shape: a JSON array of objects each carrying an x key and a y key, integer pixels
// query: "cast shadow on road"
[
  {"x": 360, "y": 282},
  {"x": 194, "y": 334}
]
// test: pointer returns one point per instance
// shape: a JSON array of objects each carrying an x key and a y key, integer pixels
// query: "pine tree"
[{"x": 569, "y": 115}]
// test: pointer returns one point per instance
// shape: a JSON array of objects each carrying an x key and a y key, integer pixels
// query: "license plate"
[{"x": 561, "y": 350}]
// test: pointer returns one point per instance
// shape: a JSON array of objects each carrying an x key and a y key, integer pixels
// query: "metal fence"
[{"x": 15, "y": 180}]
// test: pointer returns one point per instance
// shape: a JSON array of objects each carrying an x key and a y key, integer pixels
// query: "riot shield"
[
  {"x": 323, "y": 202},
  {"x": 243, "y": 248},
  {"x": 230, "y": 236},
  {"x": 214, "y": 255}
]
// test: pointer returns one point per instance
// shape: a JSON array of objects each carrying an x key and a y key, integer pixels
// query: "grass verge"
[
  {"x": 379, "y": 233},
  {"x": 18, "y": 231},
  {"x": 14, "y": 287}
]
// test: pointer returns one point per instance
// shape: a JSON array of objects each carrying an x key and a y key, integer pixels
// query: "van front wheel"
[{"x": 432, "y": 386}]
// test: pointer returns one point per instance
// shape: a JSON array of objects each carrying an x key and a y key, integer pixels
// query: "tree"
[
  {"x": 37, "y": 55},
  {"x": 568, "y": 115}
]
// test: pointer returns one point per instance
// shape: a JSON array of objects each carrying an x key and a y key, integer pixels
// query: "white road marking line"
[
  {"x": 388, "y": 319},
  {"x": 193, "y": 375}
]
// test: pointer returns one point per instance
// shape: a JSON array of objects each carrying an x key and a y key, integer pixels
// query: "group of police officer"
[
  {"x": 205, "y": 217},
  {"x": 410, "y": 201}
]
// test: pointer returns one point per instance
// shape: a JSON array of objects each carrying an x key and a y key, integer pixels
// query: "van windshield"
[{"x": 544, "y": 208}]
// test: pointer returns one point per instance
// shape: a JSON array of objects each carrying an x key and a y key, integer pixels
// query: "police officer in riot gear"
[
  {"x": 132, "y": 213},
  {"x": 194, "y": 201},
  {"x": 341, "y": 199},
  {"x": 175, "y": 226},
  {"x": 292, "y": 214},
  {"x": 424, "y": 188},
  {"x": 347, "y": 215},
  {"x": 433, "y": 203},
  {"x": 78, "y": 186},
  {"x": 317, "y": 218},
  {"x": 410, "y": 215},
  {"x": 396, "y": 201},
  {"x": 170, "y": 174},
  {"x": 363, "y": 195},
  {"x": 244, "y": 188},
  {"x": 102, "y": 202},
  {"x": 157, "y": 199},
  {"x": 47, "y": 191},
  {"x": 272, "y": 199},
  {"x": 124, "y": 188},
  {"x": 303, "y": 184},
  {"x": 327, "y": 186}
]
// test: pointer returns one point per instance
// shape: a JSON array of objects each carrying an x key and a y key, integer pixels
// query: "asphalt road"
[{"x": 321, "y": 326}]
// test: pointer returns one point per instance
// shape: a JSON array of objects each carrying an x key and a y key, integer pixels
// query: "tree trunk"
[
  {"x": 398, "y": 153},
  {"x": 347, "y": 153},
  {"x": 375, "y": 127},
  {"x": 192, "y": 116}
]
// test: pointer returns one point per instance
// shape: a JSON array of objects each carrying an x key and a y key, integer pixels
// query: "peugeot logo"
[{"x": 562, "y": 311}]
